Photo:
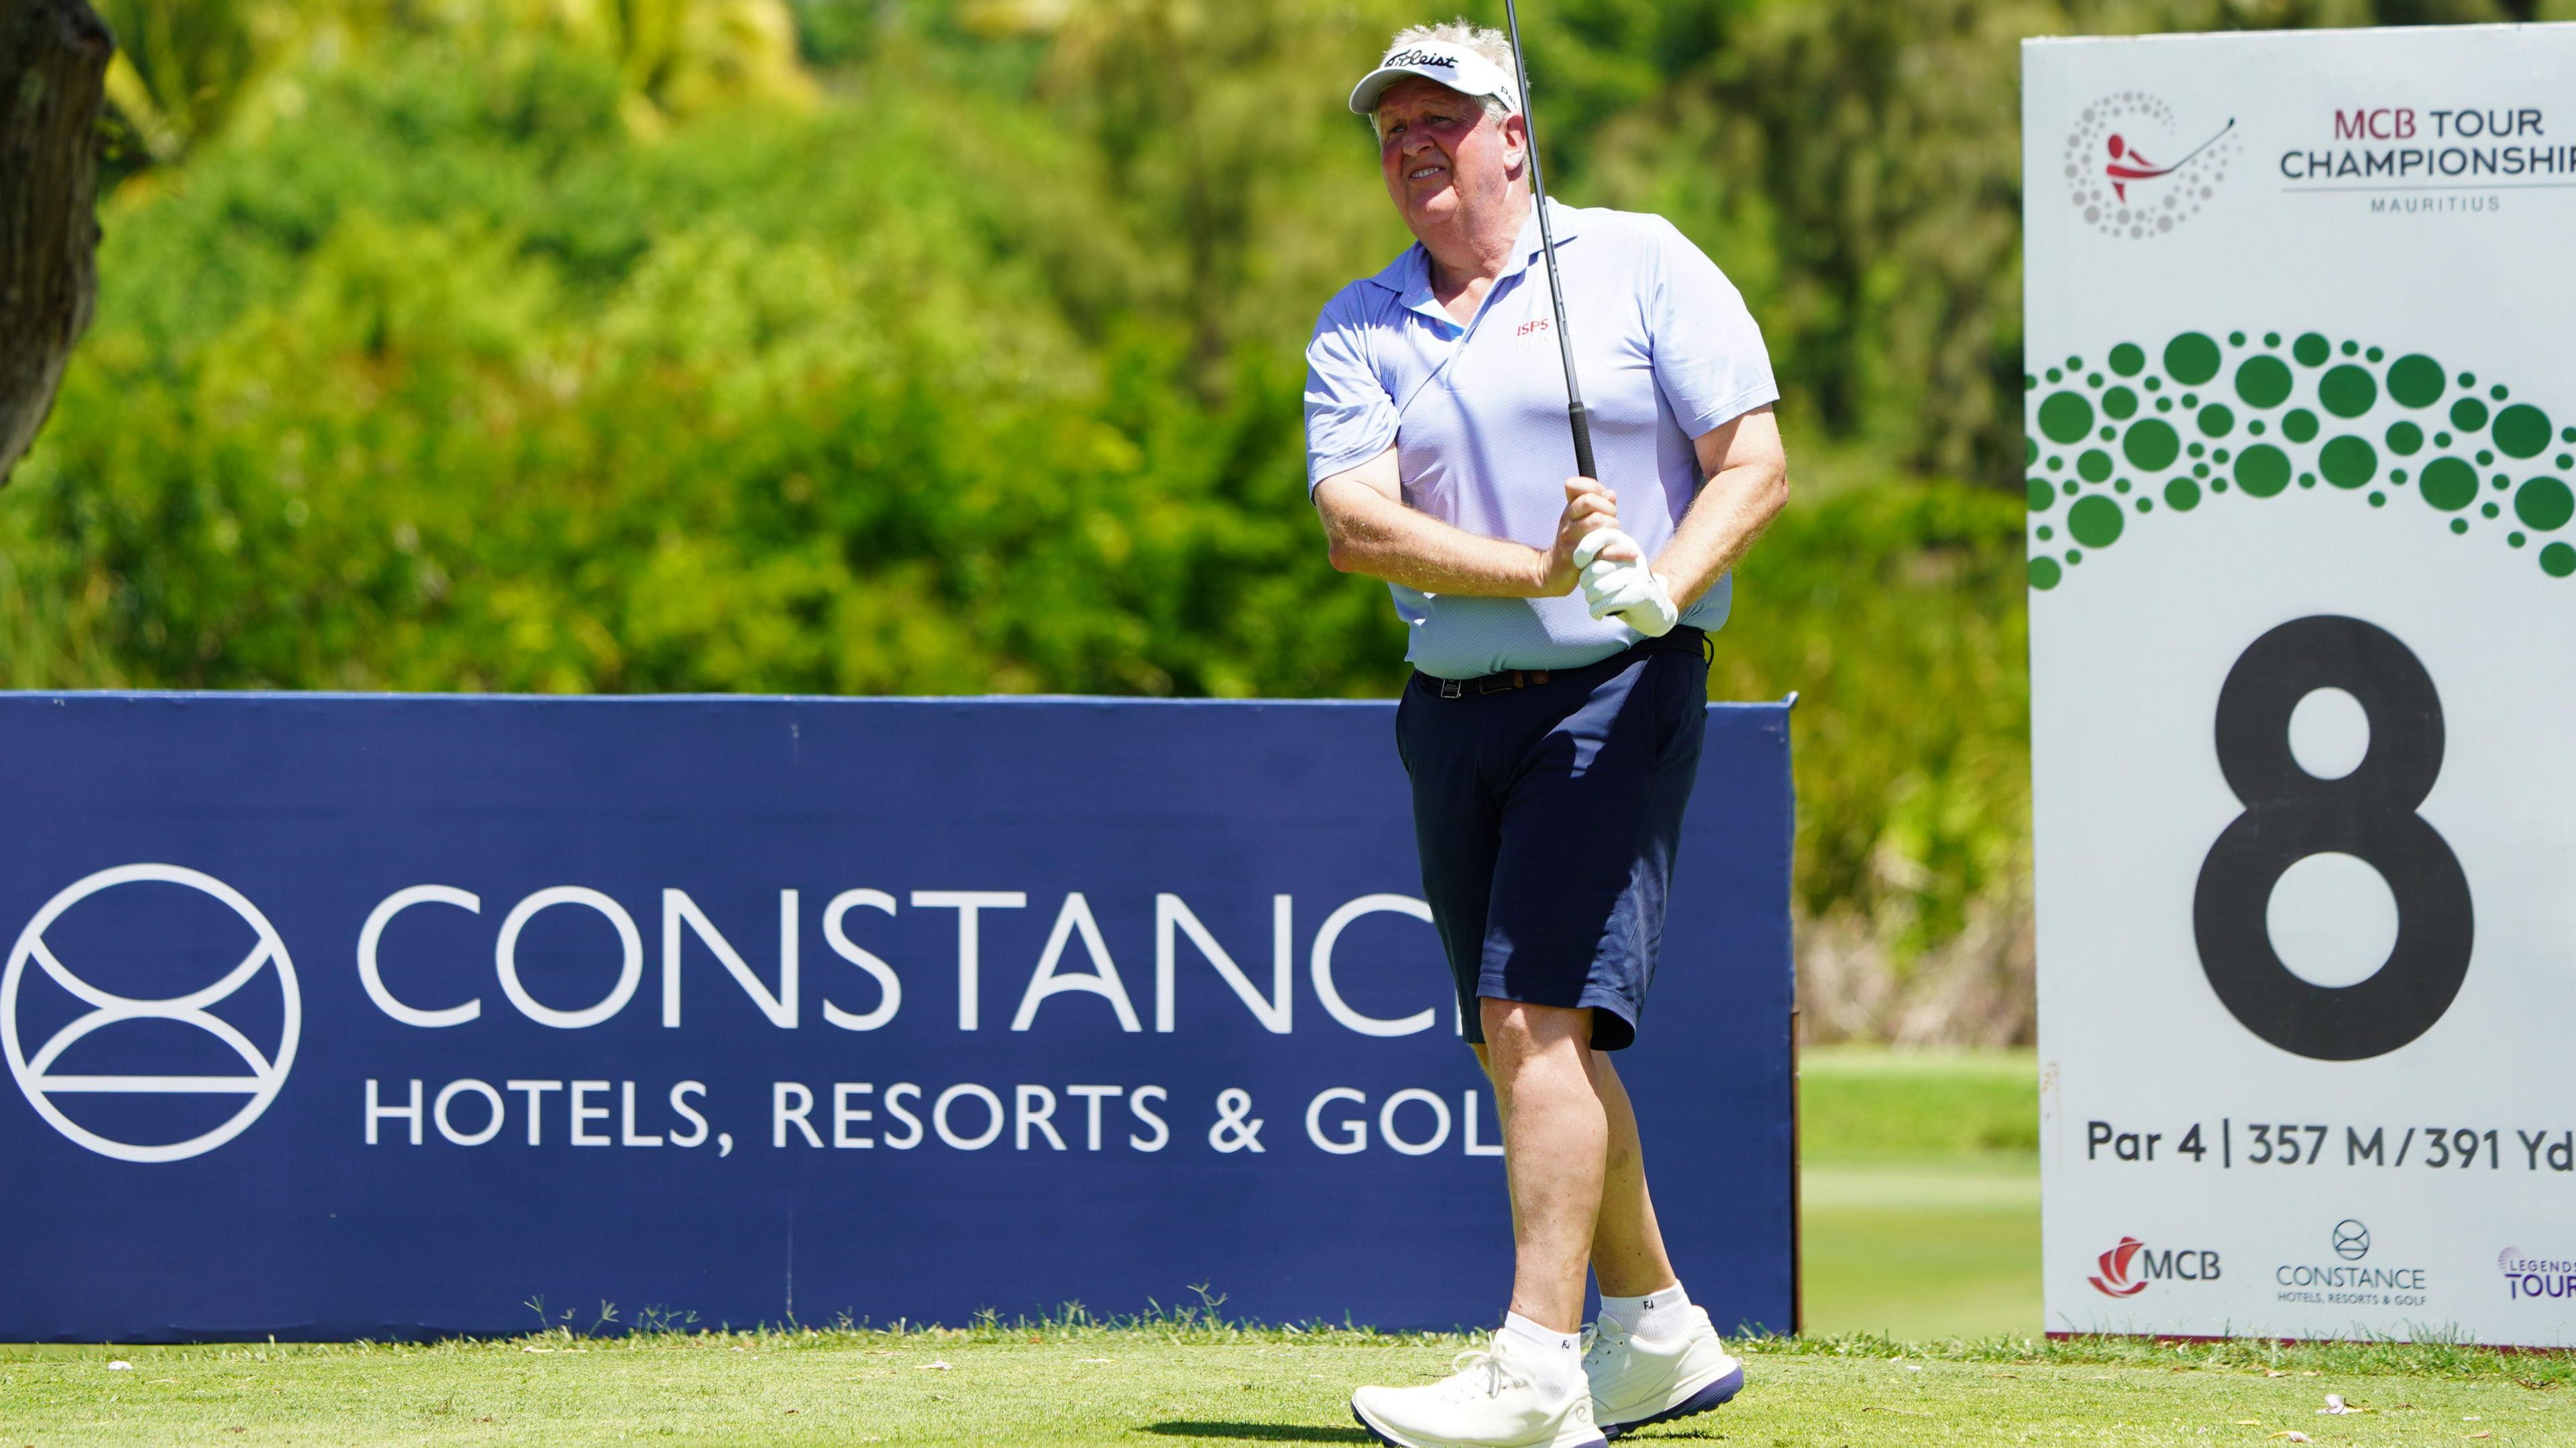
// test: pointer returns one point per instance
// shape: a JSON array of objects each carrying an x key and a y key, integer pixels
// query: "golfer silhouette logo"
[
  {"x": 2128, "y": 163},
  {"x": 2132, "y": 172},
  {"x": 151, "y": 1019}
]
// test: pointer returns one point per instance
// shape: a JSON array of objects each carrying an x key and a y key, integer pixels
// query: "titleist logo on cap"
[{"x": 1418, "y": 57}]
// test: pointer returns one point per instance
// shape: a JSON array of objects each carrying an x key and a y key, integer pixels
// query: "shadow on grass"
[{"x": 1261, "y": 1432}]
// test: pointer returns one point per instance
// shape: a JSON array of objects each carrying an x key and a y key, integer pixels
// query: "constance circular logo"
[
  {"x": 2134, "y": 170},
  {"x": 258, "y": 1083},
  {"x": 2351, "y": 1240}
]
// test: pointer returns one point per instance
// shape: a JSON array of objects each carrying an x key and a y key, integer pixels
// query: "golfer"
[{"x": 1558, "y": 630}]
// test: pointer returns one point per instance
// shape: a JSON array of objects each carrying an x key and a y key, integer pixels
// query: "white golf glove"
[{"x": 1630, "y": 591}]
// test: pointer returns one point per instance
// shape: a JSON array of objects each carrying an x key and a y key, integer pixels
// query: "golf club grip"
[{"x": 1582, "y": 426}]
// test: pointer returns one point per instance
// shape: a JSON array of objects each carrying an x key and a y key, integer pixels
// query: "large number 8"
[{"x": 2291, "y": 814}]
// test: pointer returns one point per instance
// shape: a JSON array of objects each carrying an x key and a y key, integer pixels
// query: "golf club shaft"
[{"x": 1575, "y": 416}]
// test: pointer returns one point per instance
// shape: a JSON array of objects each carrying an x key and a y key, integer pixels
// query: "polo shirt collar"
[
  {"x": 1409, "y": 275},
  {"x": 1562, "y": 221}
]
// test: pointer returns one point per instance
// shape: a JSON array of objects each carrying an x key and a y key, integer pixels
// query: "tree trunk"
[{"x": 53, "y": 59}]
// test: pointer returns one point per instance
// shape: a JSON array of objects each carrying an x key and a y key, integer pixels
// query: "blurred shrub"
[
  {"x": 187, "y": 71},
  {"x": 1898, "y": 614},
  {"x": 447, "y": 368},
  {"x": 451, "y": 383}
]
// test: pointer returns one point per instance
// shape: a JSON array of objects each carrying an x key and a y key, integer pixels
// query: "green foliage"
[
  {"x": 593, "y": 345},
  {"x": 187, "y": 71},
  {"x": 1898, "y": 614},
  {"x": 452, "y": 383}
]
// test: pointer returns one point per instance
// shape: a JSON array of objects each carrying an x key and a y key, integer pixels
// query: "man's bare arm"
[
  {"x": 1370, "y": 530},
  {"x": 1748, "y": 485}
]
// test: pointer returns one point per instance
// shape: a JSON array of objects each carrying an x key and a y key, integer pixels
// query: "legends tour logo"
[{"x": 2526, "y": 1278}]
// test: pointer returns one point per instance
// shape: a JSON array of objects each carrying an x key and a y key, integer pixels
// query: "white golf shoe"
[
  {"x": 1489, "y": 1402},
  {"x": 1636, "y": 1381}
]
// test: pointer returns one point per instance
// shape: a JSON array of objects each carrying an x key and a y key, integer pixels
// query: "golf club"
[{"x": 1574, "y": 414}]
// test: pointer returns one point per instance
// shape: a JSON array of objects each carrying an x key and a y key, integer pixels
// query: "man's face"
[{"x": 1441, "y": 154}]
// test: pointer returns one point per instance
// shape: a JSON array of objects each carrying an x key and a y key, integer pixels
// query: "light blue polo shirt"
[{"x": 1665, "y": 350}]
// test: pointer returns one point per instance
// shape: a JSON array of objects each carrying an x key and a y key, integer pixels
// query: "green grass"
[
  {"x": 1170, "y": 1383},
  {"x": 1922, "y": 1220},
  {"x": 1921, "y": 1191},
  {"x": 1868, "y": 1103}
]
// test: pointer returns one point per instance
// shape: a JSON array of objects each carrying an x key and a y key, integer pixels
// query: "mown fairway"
[
  {"x": 1921, "y": 1192},
  {"x": 1137, "y": 1388}
]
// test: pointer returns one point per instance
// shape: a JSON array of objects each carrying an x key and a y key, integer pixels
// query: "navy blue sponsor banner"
[{"x": 390, "y": 1017}]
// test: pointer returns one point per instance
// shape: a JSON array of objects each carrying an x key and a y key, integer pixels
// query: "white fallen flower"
[{"x": 941, "y": 1367}]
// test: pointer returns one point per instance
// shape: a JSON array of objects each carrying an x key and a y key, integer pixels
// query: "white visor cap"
[{"x": 1445, "y": 62}]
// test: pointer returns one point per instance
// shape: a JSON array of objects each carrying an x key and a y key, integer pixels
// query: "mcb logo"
[
  {"x": 2127, "y": 1268},
  {"x": 176, "y": 1028}
]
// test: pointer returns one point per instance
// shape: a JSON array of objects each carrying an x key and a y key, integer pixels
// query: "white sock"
[
  {"x": 1554, "y": 1359},
  {"x": 1656, "y": 1317}
]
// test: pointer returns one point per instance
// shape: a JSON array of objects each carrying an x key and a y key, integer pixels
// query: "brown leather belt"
[
  {"x": 1494, "y": 683},
  {"x": 1682, "y": 637}
]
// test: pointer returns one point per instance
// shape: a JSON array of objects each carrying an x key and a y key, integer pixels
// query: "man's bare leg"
[
  {"x": 1556, "y": 1140},
  {"x": 1627, "y": 1245}
]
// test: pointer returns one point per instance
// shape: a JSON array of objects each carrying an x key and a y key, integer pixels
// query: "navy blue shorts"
[{"x": 1547, "y": 817}]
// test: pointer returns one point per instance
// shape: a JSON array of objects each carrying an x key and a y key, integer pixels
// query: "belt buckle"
[{"x": 1453, "y": 688}]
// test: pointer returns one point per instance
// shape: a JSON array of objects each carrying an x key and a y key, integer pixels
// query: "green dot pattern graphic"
[
  {"x": 2263, "y": 381},
  {"x": 2095, "y": 521},
  {"x": 2235, "y": 422},
  {"x": 2264, "y": 470},
  {"x": 2521, "y": 431},
  {"x": 2151, "y": 445},
  {"x": 2348, "y": 391},
  {"x": 2348, "y": 462},
  {"x": 2544, "y": 504},
  {"x": 2191, "y": 359},
  {"x": 2415, "y": 380},
  {"x": 2065, "y": 417},
  {"x": 2450, "y": 484}
]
